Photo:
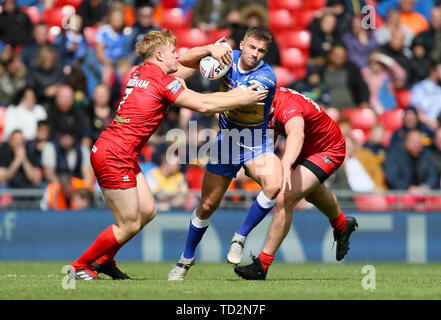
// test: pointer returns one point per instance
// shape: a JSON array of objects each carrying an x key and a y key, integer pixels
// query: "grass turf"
[{"x": 44, "y": 280}]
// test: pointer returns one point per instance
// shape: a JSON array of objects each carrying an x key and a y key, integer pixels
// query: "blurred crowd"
[{"x": 377, "y": 73}]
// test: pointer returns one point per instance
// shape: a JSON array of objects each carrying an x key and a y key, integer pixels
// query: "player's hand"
[
  {"x": 221, "y": 54},
  {"x": 251, "y": 96},
  {"x": 286, "y": 180}
]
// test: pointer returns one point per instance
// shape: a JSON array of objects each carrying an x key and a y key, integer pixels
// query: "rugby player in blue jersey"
[{"x": 244, "y": 140}]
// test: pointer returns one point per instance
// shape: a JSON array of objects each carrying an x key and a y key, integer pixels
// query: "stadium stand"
[{"x": 288, "y": 20}]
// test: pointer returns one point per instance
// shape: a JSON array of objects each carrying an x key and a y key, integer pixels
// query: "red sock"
[
  {"x": 105, "y": 242},
  {"x": 339, "y": 224},
  {"x": 109, "y": 256},
  {"x": 267, "y": 260}
]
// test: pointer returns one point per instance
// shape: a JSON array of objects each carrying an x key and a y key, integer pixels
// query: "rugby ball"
[{"x": 211, "y": 69}]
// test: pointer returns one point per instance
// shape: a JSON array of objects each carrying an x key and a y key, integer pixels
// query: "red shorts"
[
  {"x": 323, "y": 164},
  {"x": 114, "y": 168}
]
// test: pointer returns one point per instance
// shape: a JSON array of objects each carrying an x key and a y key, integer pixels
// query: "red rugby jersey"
[
  {"x": 321, "y": 132},
  {"x": 148, "y": 94}
]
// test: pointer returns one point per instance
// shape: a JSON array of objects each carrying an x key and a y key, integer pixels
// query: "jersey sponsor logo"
[
  {"x": 119, "y": 119},
  {"x": 137, "y": 83},
  {"x": 174, "y": 86}
]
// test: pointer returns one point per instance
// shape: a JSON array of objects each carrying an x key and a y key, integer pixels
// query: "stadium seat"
[
  {"x": 304, "y": 18},
  {"x": 315, "y": 4},
  {"x": 89, "y": 34},
  {"x": 216, "y": 34},
  {"x": 361, "y": 118},
  {"x": 300, "y": 39},
  {"x": 33, "y": 13},
  {"x": 74, "y": 3},
  {"x": 433, "y": 203},
  {"x": 174, "y": 18},
  {"x": 53, "y": 33},
  {"x": 392, "y": 120},
  {"x": 281, "y": 19},
  {"x": 283, "y": 76},
  {"x": 191, "y": 37},
  {"x": 372, "y": 202},
  {"x": 285, "y": 4},
  {"x": 56, "y": 17},
  {"x": 292, "y": 58},
  {"x": 403, "y": 98},
  {"x": 299, "y": 73}
]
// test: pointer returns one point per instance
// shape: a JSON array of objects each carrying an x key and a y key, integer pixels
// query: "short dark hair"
[{"x": 259, "y": 33}]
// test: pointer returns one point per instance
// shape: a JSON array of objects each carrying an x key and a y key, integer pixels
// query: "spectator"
[
  {"x": 426, "y": 97},
  {"x": 93, "y": 12},
  {"x": 415, "y": 21},
  {"x": 111, "y": 42},
  {"x": 375, "y": 143},
  {"x": 384, "y": 33},
  {"x": 313, "y": 86},
  {"x": 101, "y": 113},
  {"x": 254, "y": 15},
  {"x": 361, "y": 171},
  {"x": 209, "y": 15},
  {"x": 45, "y": 75},
  {"x": 359, "y": 42},
  {"x": 420, "y": 63},
  {"x": 324, "y": 34},
  {"x": 15, "y": 26},
  {"x": 63, "y": 115},
  {"x": 344, "y": 81},
  {"x": 35, "y": 147},
  {"x": 40, "y": 38},
  {"x": 71, "y": 43},
  {"x": 142, "y": 26},
  {"x": 410, "y": 122},
  {"x": 432, "y": 37},
  {"x": 420, "y": 6},
  {"x": 24, "y": 115},
  {"x": 410, "y": 166},
  {"x": 12, "y": 76},
  {"x": 65, "y": 193},
  {"x": 383, "y": 76},
  {"x": 436, "y": 152},
  {"x": 17, "y": 167},
  {"x": 395, "y": 49},
  {"x": 168, "y": 184},
  {"x": 66, "y": 155}
]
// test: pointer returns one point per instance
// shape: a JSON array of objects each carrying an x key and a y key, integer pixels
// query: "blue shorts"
[{"x": 230, "y": 152}]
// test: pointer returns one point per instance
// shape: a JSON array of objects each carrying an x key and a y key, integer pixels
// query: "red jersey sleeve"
[{"x": 172, "y": 88}]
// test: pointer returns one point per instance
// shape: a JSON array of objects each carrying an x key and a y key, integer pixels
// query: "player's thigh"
[
  {"x": 124, "y": 204},
  {"x": 213, "y": 189},
  {"x": 147, "y": 207},
  {"x": 266, "y": 169},
  {"x": 303, "y": 182}
]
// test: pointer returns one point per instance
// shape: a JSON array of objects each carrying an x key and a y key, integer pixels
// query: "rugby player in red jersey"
[
  {"x": 149, "y": 92},
  {"x": 315, "y": 148}
]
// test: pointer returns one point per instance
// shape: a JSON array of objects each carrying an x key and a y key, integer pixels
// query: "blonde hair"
[{"x": 153, "y": 41}]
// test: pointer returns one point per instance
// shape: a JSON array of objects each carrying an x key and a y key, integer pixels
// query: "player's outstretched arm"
[
  {"x": 189, "y": 61},
  {"x": 220, "y": 101}
]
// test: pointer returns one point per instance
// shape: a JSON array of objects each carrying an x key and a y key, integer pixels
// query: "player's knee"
[
  {"x": 147, "y": 215},
  {"x": 207, "y": 208},
  {"x": 272, "y": 190}
]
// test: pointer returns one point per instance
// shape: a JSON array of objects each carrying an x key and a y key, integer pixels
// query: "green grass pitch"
[{"x": 205, "y": 281}]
